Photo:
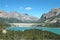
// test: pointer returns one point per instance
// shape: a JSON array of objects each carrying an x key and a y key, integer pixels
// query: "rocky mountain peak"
[
  {"x": 54, "y": 12},
  {"x": 19, "y": 16}
]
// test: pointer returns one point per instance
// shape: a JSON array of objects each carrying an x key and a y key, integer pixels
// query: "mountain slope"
[
  {"x": 18, "y": 16},
  {"x": 52, "y": 16}
]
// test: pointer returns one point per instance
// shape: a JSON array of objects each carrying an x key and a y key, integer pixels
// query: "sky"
[{"x": 32, "y": 7}]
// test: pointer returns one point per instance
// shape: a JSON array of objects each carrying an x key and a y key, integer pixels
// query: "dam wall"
[{"x": 25, "y": 24}]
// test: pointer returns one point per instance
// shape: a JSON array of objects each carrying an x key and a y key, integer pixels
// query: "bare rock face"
[
  {"x": 19, "y": 16},
  {"x": 52, "y": 15},
  {"x": 53, "y": 12},
  {"x": 3, "y": 14}
]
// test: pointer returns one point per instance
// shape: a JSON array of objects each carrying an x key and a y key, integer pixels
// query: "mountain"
[
  {"x": 52, "y": 16},
  {"x": 16, "y": 17}
]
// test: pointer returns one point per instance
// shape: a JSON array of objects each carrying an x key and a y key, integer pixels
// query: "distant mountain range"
[
  {"x": 16, "y": 17},
  {"x": 52, "y": 16}
]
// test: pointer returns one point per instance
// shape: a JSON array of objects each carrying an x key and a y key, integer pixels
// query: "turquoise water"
[{"x": 54, "y": 30}]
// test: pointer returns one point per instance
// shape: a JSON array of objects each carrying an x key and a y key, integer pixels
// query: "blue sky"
[{"x": 31, "y": 7}]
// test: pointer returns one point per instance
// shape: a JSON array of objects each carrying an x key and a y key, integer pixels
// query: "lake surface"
[{"x": 54, "y": 30}]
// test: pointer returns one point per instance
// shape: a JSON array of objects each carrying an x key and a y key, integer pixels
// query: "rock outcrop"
[{"x": 52, "y": 15}]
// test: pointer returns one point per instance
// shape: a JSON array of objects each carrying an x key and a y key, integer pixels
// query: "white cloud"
[{"x": 28, "y": 8}]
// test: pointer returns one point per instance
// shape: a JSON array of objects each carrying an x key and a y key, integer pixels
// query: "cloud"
[
  {"x": 28, "y": 8},
  {"x": 25, "y": 8}
]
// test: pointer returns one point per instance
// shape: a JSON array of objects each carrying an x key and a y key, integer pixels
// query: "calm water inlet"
[{"x": 54, "y": 30}]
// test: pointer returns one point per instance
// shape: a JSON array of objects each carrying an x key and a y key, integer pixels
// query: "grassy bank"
[{"x": 33, "y": 34}]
